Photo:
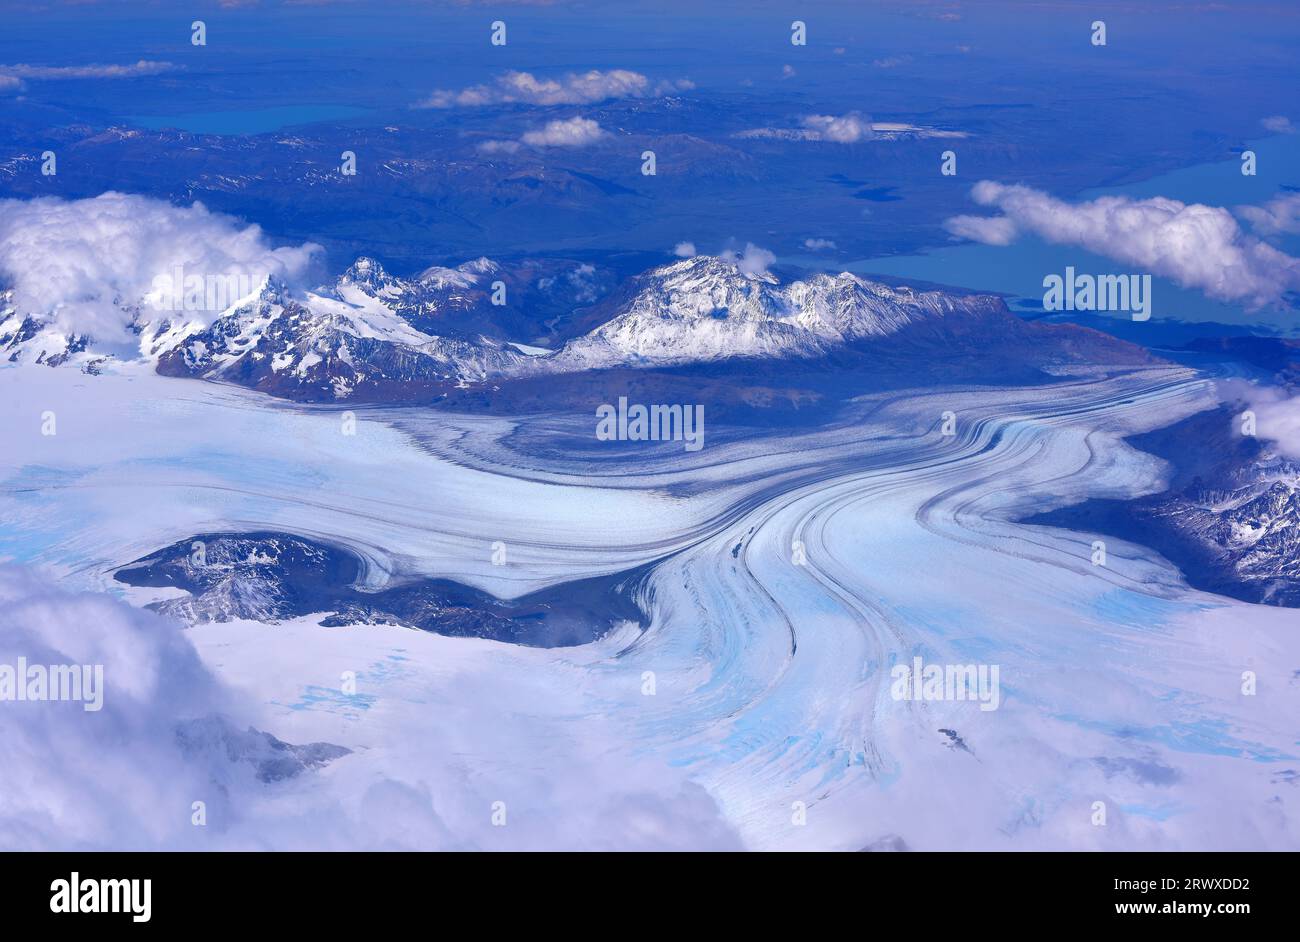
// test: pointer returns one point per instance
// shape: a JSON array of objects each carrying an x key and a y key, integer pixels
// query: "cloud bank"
[
  {"x": 86, "y": 262},
  {"x": 128, "y": 775},
  {"x": 1194, "y": 245},
  {"x": 115, "y": 777}
]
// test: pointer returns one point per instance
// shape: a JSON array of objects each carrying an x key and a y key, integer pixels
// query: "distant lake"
[
  {"x": 1018, "y": 270},
  {"x": 248, "y": 121}
]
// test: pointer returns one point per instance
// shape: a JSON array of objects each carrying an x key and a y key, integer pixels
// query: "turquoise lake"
[{"x": 248, "y": 121}]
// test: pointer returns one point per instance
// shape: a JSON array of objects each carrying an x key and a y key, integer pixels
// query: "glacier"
[{"x": 753, "y": 709}]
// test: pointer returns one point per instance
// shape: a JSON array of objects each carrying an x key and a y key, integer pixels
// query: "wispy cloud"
[
  {"x": 1279, "y": 215},
  {"x": 838, "y": 129},
  {"x": 753, "y": 261},
  {"x": 43, "y": 72},
  {"x": 575, "y": 88}
]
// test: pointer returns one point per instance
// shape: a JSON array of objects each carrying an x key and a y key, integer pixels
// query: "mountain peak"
[
  {"x": 480, "y": 266},
  {"x": 714, "y": 267},
  {"x": 273, "y": 290},
  {"x": 368, "y": 274}
]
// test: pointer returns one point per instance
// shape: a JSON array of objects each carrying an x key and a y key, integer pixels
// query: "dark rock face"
[
  {"x": 269, "y": 577},
  {"x": 890, "y": 843},
  {"x": 1230, "y": 519},
  {"x": 271, "y": 759}
]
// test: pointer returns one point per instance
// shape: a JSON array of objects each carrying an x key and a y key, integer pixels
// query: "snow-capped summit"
[
  {"x": 465, "y": 275},
  {"x": 370, "y": 276},
  {"x": 708, "y": 308},
  {"x": 480, "y": 266}
]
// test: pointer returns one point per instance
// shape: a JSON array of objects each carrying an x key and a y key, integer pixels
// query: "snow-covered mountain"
[
  {"x": 1229, "y": 519},
  {"x": 523, "y": 301},
  {"x": 331, "y": 344},
  {"x": 431, "y": 301},
  {"x": 366, "y": 335},
  {"x": 708, "y": 308},
  {"x": 1249, "y": 529},
  {"x": 25, "y": 338}
]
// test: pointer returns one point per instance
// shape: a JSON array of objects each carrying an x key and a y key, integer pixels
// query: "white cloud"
[
  {"x": 10, "y": 83},
  {"x": 576, "y": 88},
  {"x": 573, "y": 132},
  {"x": 787, "y": 71},
  {"x": 1280, "y": 214},
  {"x": 1194, "y": 245},
  {"x": 1279, "y": 421},
  {"x": 85, "y": 261},
  {"x": 753, "y": 261},
  {"x": 499, "y": 147},
  {"x": 1277, "y": 415},
  {"x": 65, "y": 786},
  {"x": 991, "y": 230},
  {"x": 1279, "y": 124},
  {"x": 685, "y": 250},
  {"x": 844, "y": 129},
  {"x": 143, "y": 67},
  {"x": 817, "y": 245},
  {"x": 847, "y": 128}
]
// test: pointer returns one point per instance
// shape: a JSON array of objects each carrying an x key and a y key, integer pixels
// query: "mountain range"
[{"x": 372, "y": 336}]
